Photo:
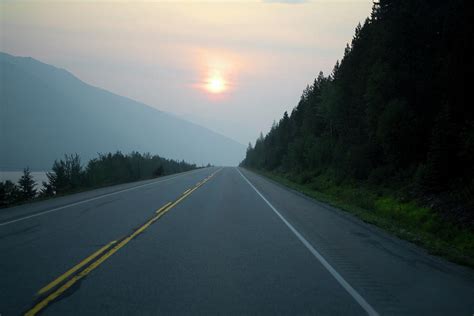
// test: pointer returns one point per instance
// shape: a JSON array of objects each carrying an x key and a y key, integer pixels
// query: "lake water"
[{"x": 14, "y": 176}]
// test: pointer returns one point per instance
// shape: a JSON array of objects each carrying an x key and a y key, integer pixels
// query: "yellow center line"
[
  {"x": 74, "y": 269},
  {"x": 163, "y": 207},
  {"x": 107, "y": 254}
]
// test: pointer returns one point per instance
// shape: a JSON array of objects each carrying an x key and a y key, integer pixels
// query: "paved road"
[{"x": 214, "y": 241}]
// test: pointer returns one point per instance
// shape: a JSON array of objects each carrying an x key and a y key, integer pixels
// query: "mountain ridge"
[{"x": 88, "y": 119}]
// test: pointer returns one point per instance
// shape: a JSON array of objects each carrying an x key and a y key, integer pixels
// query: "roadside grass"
[{"x": 406, "y": 219}]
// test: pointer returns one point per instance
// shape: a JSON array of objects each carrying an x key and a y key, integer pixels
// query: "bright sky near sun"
[{"x": 232, "y": 66}]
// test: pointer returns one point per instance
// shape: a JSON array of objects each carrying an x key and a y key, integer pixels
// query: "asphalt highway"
[{"x": 214, "y": 241}]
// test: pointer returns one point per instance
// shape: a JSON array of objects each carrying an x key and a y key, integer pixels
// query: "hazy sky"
[{"x": 232, "y": 66}]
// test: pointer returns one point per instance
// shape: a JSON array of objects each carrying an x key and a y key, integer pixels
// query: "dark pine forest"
[
  {"x": 68, "y": 175},
  {"x": 394, "y": 114}
]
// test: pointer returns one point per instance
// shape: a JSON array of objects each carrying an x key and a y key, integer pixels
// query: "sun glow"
[
  {"x": 217, "y": 73},
  {"x": 215, "y": 84}
]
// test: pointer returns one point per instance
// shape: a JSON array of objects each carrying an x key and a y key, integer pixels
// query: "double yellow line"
[{"x": 61, "y": 284}]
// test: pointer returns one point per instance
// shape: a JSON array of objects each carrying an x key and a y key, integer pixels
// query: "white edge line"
[
  {"x": 355, "y": 295},
  {"x": 91, "y": 199}
]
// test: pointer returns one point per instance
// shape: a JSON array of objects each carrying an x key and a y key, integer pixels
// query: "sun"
[
  {"x": 215, "y": 84},
  {"x": 216, "y": 75}
]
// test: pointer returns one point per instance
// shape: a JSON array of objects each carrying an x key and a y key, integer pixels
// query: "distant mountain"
[{"x": 46, "y": 112}]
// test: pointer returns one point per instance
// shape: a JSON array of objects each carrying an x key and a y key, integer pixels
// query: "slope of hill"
[
  {"x": 396, "y": 117},
  {"x": 46, "y": 112},
  {"x": 391, "y": 130}
]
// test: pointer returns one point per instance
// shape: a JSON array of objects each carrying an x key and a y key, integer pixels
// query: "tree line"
[
  {"x": 394, "y": 112},
  {"x": 68, "y": 175}
]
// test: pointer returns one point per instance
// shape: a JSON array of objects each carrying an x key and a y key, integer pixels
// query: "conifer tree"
[{"x": 27, "y": 185}]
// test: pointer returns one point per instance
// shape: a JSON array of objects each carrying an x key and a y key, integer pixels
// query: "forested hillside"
[{"x": 393, "y": 114}]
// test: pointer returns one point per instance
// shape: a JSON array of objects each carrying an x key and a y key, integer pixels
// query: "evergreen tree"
[
  {"x": 395, "y": 109},
  {"x": 158, "y": 171},
  {"x": 67, "y": 175},
  {"x": 27, "y": 185},
  {"x": 9, "y": 193},
  {"x": 47, "y": 190}
]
